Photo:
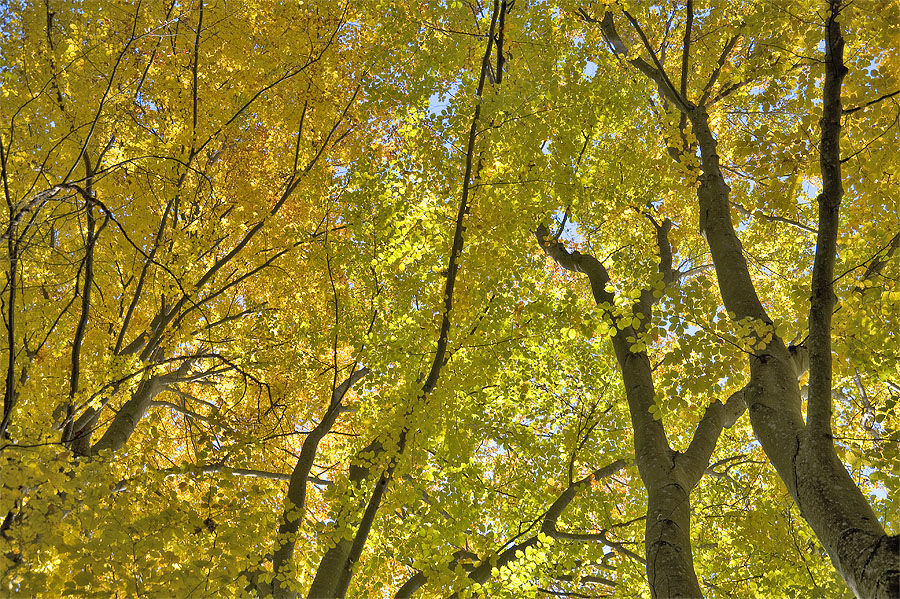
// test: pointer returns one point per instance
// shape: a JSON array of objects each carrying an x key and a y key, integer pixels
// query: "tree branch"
[
  {"x": 773, "y": 218},
  {"x": 295, "y": 499},
  {"x": 651, "y": 447},
  {"x": 656, "y": 72},
  {"x": 686, "y": 47},
  {"x": 718, "y": 416},
  {"x": 707, "y": 89},
  {"x": 482, "y": 572},
  {"x": 548, "y": 526},
  {"x": 870, "y": 103},
  {"x": 336, "y": 568},
  {"x": 829, "y": 202}
]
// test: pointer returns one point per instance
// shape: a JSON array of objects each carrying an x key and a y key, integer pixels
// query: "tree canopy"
[{"x": 480, "y": 298}]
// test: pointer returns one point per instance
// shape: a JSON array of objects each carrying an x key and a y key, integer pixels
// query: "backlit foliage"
[{"x": 216, "y": 212}]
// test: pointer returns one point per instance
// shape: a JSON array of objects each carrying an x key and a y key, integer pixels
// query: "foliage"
[{"x": 231, "y": 227}]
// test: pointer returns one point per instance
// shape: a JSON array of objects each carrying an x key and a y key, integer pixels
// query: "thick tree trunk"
[
  {"x": 667, "y": 538},
  {"x": 126, "y": 420},
  {"x": 668, "y": 476},
  {"x": 667, "y": 534},
  {"x": 132, "y": 411},
  {"x": 802, "y": 452},
  {"x": 832, "y": 504}
]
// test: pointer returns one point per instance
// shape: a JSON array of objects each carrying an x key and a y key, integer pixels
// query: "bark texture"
[
  {"x": 802, "y": 452},
  {"x": 668, "y": 476}
]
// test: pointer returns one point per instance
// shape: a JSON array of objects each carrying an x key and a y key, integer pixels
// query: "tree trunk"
[{"x": 802, "y": 453}]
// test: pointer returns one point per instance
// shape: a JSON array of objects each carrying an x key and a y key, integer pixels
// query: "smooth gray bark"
[
  {"x": 132, "y": 411},
  {"x": 802, "y": 452},
  {"x": 667, "y": 475}
]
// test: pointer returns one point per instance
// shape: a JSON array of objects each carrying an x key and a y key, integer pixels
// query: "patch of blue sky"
[
  {"x": 810, "y": 188},
  {"x": 879, "y": 492},
  {"x": 440, "y": 101},
  {"x": 570, "y": 231}
]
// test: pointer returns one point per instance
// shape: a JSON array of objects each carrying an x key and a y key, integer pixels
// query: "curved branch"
[
  {"x": 654, "y": 71},
  {"x": 483, "y": 571},
  {"x": 548, "y": 526}
]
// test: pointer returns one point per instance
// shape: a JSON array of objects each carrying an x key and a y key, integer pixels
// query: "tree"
[
  {"x": 284, "y": 315},
  {"x": 803, "y": 453}
]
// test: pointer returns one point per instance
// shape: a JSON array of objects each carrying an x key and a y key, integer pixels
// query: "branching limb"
[
  {"x": 882, "y": 258},
  {"x": 128, "y": 417},
  {"x": 714, "y": 76},
  {"x": 728, "y": 463},
  {"x": 185, "y": 411},
  {"x": 870, "y": 103},
  {"x": 773, "y": 218},
  {"x": 654, "y": 71},
  {"x": 577, "y": 262},
  {"x": 295, "y": 499},
  {"x": 191, "y": 469},
  {"x": 549, "y": 527},
  {"x": 651, "y": 446},
  {"x": 482, "y": 572},
  {"x": 695, "y": 459}
]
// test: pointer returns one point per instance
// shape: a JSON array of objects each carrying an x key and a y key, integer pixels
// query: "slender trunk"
[
  {"x": 295, "y": 501},
  {"x": 81, "y": 444},
  {"x": 334, "y": 561},
  {"x": 336, "y": 568},
  {"x": 9, "y": 390}
]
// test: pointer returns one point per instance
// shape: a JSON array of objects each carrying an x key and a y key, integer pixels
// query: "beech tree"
[{"x": 496, "y": 298}]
